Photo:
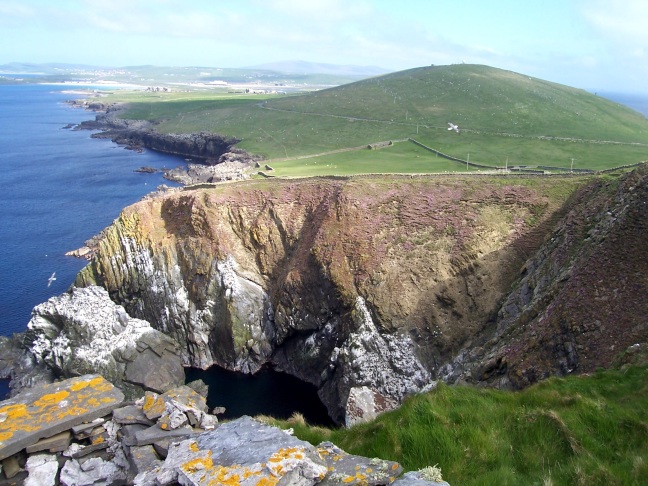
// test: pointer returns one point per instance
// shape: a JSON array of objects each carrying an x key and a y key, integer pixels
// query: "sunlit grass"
[
  {"x": 575, "y": 430},
  {"x": 507, "y": 120}
]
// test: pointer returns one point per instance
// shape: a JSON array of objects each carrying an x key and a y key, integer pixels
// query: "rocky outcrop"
[
  {"x": 83, "y": 331},
  {"x": 139, "y": 134},
  {"x": 342, "y": 283},
  {"x": 78, "y": 432}
]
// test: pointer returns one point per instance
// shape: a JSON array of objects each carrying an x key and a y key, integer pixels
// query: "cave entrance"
[{"x": 267, "y": 392}]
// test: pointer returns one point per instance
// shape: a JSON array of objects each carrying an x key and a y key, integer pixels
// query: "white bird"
[
  {"x": 51, "y": 279},
  {"x": 454, "y": 127}
]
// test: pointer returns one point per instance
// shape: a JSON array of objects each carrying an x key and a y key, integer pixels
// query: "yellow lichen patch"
[
  {"x": 267, "y": 482},
  {"x": 153, "y": 404},
  {"x": 52, "y": 398},
  {"x": 15, "y": 411},
  {"x": 394, "y": 466},
  {"x": 93, "y": 402},
  {"x": 195, "y": 465},
  {"x": 223, "y": 476},
  {"x": 80, "y": 385},
  {"x": 100, "y": 384},
  {"x": 5, "y": 435},
  {"x": 98, "y": 440},
  {"x": 193, "y": 447},
  {"x": 149, "y": 400},
  {"x": 287, "y": 453},
  {"x": 348, "y": 479}
]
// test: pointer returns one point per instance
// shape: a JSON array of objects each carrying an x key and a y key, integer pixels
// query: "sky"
[{"x": 598, "y": 45}]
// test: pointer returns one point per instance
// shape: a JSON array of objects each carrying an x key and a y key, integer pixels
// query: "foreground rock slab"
[
  {"x": 246, "y": 452},
  {"x": 243, "y": 452},
  {"x": 51, "y": 409}
]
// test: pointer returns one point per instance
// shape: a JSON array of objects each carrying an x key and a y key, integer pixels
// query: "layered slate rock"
[
  {"x": 51, "y": 409},
  {"x": 112, "y": 446},
  {"x": 83, "y": 331},
  {"x": 246, "y": 452}
]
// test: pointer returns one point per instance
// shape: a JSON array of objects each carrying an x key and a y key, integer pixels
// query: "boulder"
[
  {"x": 93, "y": 472},
  {"x": 84, "y": 331},
  {"x": 344, "y": 468},
  {"x": 425, "y": 477},
  {"x": 42, "y": 469},
  {"x": 365, "y": 404}
]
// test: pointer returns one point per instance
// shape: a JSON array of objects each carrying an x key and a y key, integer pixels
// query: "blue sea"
[{"x": 58, "y": 187}]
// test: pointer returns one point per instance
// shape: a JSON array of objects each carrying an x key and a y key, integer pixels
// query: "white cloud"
[
  {"x": 319, "y": 10},
  {"x": 624, "y": 21},
  {"x": 13, "y": 14}
]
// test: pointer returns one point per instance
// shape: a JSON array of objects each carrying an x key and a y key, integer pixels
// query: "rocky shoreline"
[{"x": 211, "y": 157}]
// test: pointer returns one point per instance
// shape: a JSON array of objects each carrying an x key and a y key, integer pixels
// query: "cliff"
[
  {"x": 384, "y": 283},
  {"x": 216, "y": 157}
]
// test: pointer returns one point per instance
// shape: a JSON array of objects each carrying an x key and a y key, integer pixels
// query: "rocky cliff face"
[
  {"x": 579, "y": 302},
  {"x": 139, "y": 134},
  {"x": 343, "y": 283}
]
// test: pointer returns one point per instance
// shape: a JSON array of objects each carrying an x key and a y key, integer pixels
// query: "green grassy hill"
[{"x": 506, "y": 119}]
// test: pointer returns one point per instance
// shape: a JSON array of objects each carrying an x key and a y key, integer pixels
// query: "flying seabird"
[
  {"x": 452, "y": 126},
  {"x": 51, "y": 279}
]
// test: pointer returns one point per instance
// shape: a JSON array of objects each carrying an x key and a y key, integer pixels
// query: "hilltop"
[{"x": 505, "y": 120}]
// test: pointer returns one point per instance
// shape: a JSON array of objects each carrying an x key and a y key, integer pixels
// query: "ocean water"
[
  {"x": 636, "y": 102},
  {"x": 58, "y": 187}
]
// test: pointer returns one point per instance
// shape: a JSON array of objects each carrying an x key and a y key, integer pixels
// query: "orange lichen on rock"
[
  {"x": 200, "y": 463},
  {"x": 52, "y": 398},
  {"x": 267, "y": 482},
  {"x": 79, "y": 386}
]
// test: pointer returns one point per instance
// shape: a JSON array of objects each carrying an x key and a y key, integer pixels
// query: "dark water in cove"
[{"x": 267, "y": 392}]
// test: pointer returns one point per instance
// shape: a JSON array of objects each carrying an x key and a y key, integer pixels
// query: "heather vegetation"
[{"x": 506, "y": 120}]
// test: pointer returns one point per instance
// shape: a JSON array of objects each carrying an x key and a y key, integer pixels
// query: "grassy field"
[
  {"x": 586, "y": 430},
  {"x": 506, "y": 119}
]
